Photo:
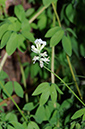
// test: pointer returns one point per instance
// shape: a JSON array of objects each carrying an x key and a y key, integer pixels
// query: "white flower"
[
  {"x": 41, "y": 64},
  {"x": 46, "y": 60},
  {"x": 41, "y": 56},
  {"x": 35, "y": 59},
  {"x": 39, "y": 45},
  {"x": 44, "y": 54}
]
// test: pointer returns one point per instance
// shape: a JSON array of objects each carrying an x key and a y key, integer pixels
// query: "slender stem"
[
  {"x": 56, "y": 14},
  {"x": 3, "y": 61},
  {"x": 36, "y": 15},
  {"x": 65, "y": 85},
  {"x": 23, "y": 76},
  {"x": 53, "y": 54},
  {"x": 13, "y": 102},
  {"x": 74, "y": 77},
  {"x": 52, "y": 66},
  {"x": 67, "y": 55}
]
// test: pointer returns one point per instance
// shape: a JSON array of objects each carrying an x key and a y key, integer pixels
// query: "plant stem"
[
  {"x": 36, "y": 15},
  {"x": 52, "y": 66},
  {"x": 23, "y": 76},
  {"x": 3, "y": 61},
  {"x": 65, "y": 85},
  {"x": 53, "y": 54},
  {"x": 74, "y": 77},
  {"x": 13, "y": 102},
  {"x": 67, "y": 55}
]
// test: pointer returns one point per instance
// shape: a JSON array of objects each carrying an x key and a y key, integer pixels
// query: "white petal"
[
  {"x": 35, "y": 50},
  {"x": 46, "y": 60},
  {"x": 40, "y": 41},
  {"x": 35, "y": 59},
  {"x": 44, "y": 54},
  {"x": 41, "y": 64}
]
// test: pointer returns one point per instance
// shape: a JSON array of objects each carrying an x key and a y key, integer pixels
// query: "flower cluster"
[{"x": 42, "y": 57}]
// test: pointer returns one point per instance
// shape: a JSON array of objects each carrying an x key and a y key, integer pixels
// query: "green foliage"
[
  {"x": 48, "y": 2},
  {"x": 18, "y": 89},
  {"x": 56, "y": 34},
  {"x": 78, "y": 113},
  {"x": 67, "y": 45},
  {"x": 50, "y": 105}
]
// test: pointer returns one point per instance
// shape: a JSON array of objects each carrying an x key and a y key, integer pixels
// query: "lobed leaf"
[{"x": 43, "y": 87}]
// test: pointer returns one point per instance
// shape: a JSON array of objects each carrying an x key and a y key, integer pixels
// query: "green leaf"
[
  {"x": 83, "y": 117},
  {"x": 3, "y": 75},
  {"x": 43, "y": 87},
  {"x": 33, "y": 125},
  {"x": 16, "y": 125},
  {"x": 0, "y": 127},
  {"x": 25, "y": 25},
  {"x": 11, "y": 117},
  {"x": 41, "y": 24},
  {"x": 22, "y": 46},
  {"x": 52, "y": 31},
  {"x": 12, "y": 43},
  {"x": 28, "y": 107},
  {"x": 2, "y": 2},
  {"x": 70, "y": 13},
  {"x": 15, "y": 26},
  {"x": 72, "y": 125},
  {"x": 29, "y": 12},
  {"x": 56, "y": 38},
  {"x": 65, "y": 105},
  {"x": 19, "y": 12},
  {"x": 67, "y": 45},
  {"x": 40, "y": 114},
  {"x": 28, "y": 35},
  {"x": 3, "y": 29},
  {"x": 12, "y": 19},
  {"x": 75, "y": 46},
  {"x": 47, "y": 112},
  {"x": 78, "y": 113},
  {"x": 58, "y": 89},
  {"x": 34, "y": 70},
  {"x": 53, "y": 93},
  {"x": 48, "y": 127},
  {"x": 48, "y": 2},
  {"x": 5, "y": 39},
  {"x": 71, "y": 31},
  {"x": 18, "y": 89},
  {"x": 10, "y": 127},
  {"x": 53, "y": 119},
  {"x": 44, "y": 97},
  {"x": 8, "y": 86},
  {"x": 78, "y": 126},
  {"x": 82, "y": 50}
]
